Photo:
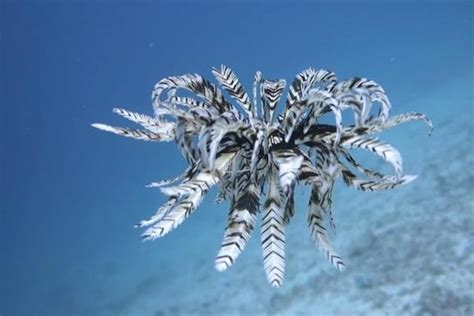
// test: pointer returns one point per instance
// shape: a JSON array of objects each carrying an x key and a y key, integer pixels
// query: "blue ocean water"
[{"x": 70, "y": 194}]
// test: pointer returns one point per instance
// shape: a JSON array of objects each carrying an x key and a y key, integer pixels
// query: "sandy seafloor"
[{"x": 408, "y": 251}]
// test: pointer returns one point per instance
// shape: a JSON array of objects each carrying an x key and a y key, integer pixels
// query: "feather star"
[{"x": 249, "y": 153}]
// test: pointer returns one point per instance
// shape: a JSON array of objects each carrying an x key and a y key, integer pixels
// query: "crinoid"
[{"x": 250, "y": 152}]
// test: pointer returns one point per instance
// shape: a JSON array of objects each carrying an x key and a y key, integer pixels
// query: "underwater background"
[{"x": 70, "y": 194}]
